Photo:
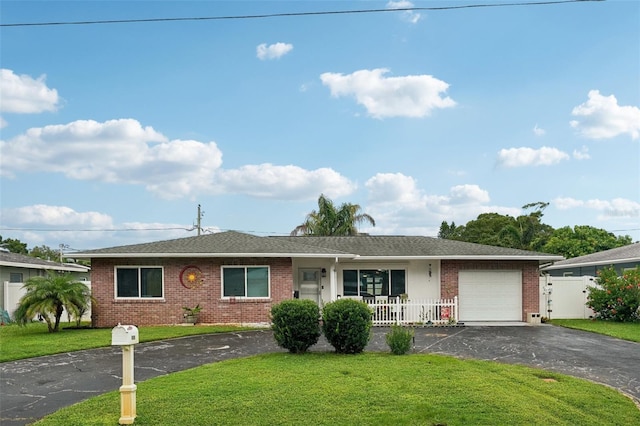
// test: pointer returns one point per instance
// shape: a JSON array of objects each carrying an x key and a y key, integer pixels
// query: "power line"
[
  {"x": 291, "y": 14},
  {"x": 98, "y": 230}
]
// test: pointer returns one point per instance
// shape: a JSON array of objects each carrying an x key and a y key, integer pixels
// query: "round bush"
[
  {"x": 346, "y": 324},
  {"x": 295, "y": 324}
]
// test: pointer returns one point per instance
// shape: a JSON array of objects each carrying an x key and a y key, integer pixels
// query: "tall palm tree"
[
  {"x": 47, "y": 296},
  {"x": 329, "y": 220}
]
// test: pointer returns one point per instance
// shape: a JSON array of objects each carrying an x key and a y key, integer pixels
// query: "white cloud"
[
  {"x": 468, "y": 194},
  {"x": 618, "y": 207},
  {"x": 582, "y": 153},
  {"x": 523, "y": 156},
  {"x": 396, "y": 201},
  {"x": 538, "y": 131},
  {"x": 82, "y": 230},
  {"x": 408, "y": 15},
  {"x": 273, "y": 51},
  {"x": 23, "y": 94},
  {"x": 602, "y": 118},
  {"x": 55, "y": 216},
  {"x": 408, "y": 96},
  {"x": 283, "y": 182},
  {"x": 123, "y": 151},
  {"x": 116, "y": 151},
  {"x": 3, "y": 123}
]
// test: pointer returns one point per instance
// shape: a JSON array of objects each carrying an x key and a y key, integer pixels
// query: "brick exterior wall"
[
  {"x": 108, "y": 312},
  {"x": 530, "y": 279}
]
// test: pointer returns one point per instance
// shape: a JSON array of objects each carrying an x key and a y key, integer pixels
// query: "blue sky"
[{"x": 114, "y": 133}]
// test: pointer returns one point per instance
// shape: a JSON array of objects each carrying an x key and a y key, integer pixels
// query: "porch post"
[
  {"x": 455, "y": 302},
  {"x": 333, "y": 281}
]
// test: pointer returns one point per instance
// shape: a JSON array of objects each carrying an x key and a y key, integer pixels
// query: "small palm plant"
[{"x": 48, "y": 296}]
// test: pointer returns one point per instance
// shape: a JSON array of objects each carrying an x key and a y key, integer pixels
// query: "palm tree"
[
  {"x": 329, "y": 220},
  {"x": 47, "y": 296}
]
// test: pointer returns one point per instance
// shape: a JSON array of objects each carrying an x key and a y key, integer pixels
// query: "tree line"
[{"x": 528, "y": 232}]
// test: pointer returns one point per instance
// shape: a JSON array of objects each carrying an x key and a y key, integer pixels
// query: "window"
[
  {"x": 15, "y": 277},
  {"x": 141, "y": 282},
  {"x": 374, "y": 282},
  {"x": 245, "y": 281}
]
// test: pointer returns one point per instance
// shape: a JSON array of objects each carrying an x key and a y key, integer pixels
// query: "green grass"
[
  {"x": 365, "y": 389},
  {"x": 34, "y": 339},
  {"x": 620, "y": 330}
]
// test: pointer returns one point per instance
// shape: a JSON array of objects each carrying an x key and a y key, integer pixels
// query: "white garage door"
[{"x": 490, "y": 295}]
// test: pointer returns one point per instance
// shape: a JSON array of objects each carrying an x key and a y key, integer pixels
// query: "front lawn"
[
  {"x": 621, "y": 330},
  {"x": 34, "y": 340},
  {"x": 365, "y": 389}
]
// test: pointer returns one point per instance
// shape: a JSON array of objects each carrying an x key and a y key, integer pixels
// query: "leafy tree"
[
  {"x": 582, "y": 240},
  {"x": 47, "y": 296},
  {"x": 13, "y": 245},
  {"x": 329, "y": 220},
  {"x": 450, "y": 232},
  {"x": 616, "y": 298},
  {"x": 45, "y": 253},
  {"x": 526, "y": 232},
  {"x": 488, "y": 229}
]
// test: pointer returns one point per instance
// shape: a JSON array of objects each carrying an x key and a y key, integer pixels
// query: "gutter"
[{"x": 210, "y": 255}]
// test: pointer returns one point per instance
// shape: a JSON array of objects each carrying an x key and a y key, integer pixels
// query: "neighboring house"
[
  {"x": 621, "y": 258},
  {"x": 237, "y": 278},
  {"x": 16, "y": 269}
]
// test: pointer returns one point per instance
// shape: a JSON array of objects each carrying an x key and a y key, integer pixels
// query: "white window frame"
[
  {"x": 245, "y": 267},
  {"x": 138, "y": 267}
]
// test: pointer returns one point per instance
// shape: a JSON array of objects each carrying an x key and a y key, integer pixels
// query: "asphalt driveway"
[{"x": 33, "y": 388}]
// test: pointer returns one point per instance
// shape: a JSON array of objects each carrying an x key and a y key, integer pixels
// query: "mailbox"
[{"x": 124, "y": 335}]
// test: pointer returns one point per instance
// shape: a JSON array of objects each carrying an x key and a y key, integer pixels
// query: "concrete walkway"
[{"x": 32, "y": 388}]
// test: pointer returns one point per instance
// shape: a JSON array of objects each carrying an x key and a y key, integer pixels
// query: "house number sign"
[{"x": 191, "y": 277}]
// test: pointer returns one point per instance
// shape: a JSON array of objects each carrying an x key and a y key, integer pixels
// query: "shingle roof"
[
  {"x": 231, "y": 243},
  {"x": 413, "y": 246},
  {"x": 628, "y": 253},
  {"x": 23, "y": 261}
]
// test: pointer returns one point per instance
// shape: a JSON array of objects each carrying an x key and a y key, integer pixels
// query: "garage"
[{"x": 490, "y": 295}]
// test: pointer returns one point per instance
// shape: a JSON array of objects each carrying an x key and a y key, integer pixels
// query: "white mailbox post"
[{"x": 126, "y": 336}]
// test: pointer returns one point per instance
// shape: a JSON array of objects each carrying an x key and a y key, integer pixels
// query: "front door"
[{"x": 309, "y": 284}]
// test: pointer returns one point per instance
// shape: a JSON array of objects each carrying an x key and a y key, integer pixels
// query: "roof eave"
[
  {"x": 464, "y": 257},
  {"x": 45, "y": 267},
  {"x": 210, "y": 255},
  {"x": 593, "y": 263}
]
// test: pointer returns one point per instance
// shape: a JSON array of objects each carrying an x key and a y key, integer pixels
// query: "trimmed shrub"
[
  {"x": 616, "y": 298},
  {"x": 295, "y": 324},
  {"x": 400, "y": 339},
  {"x": 346, "y": 324}
]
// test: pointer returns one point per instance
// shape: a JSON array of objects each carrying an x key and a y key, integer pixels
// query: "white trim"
[
  {"x": 464, "y": 257},
  {"x": 54, "y": 267},
  {"x": 210, "y": 255},
  {"x": 592, "y": 263},
  {"x": 353, "y": 257}
]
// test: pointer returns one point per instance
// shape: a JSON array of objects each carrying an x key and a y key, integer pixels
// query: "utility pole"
[{"x": 199, "y": 222}]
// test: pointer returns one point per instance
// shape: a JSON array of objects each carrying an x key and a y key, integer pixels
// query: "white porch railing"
[{"x": 413, "y": 312}]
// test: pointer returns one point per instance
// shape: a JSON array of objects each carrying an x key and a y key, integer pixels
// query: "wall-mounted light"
[
  {"x": 323, "y": 271},
  {"x": 429, "y": 269}
]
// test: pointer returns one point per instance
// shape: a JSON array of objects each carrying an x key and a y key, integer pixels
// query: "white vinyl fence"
[
  {"x": 413, "y": 312},
  {"x": 14, "y": 291},
  {"x": 565, "y": 297}
]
